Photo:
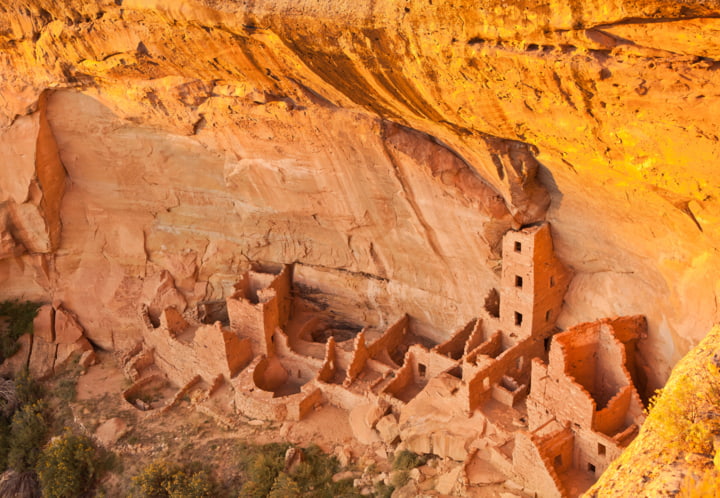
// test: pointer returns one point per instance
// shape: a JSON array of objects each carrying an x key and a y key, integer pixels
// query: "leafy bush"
[
  {"x": 383, "y": 490},
  {"x": 284, "y": 487},
  {"x": 164, "y": 479},
  {"x": 27, "y": 389},
  {"x": 66, "y": 467},
  {"x": 262, "y": 472},
  {"x": 23, "y": 391},
  {"x": 27, "y": 435},
  {"x": 407, "y": 460},
  {"x": 20, "y": 316},
  {"x": 264, "y": 468}
]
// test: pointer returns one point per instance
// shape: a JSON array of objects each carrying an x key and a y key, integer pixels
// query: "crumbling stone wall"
[
  {"x": 587, "y": 387},
  {"x": 454, "y": 347},
  {"x": 183, "y": 350}
]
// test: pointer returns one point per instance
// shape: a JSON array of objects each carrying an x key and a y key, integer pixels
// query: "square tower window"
[
  {"x": 601, "y": 449},
  {"x": 591, "y": 468},
  {"x": 518, "y": 318},
  {"x": 422, "y": 369},
  {"x": 548, "y": 314},
  {"x": 518, "y": 281},
  {"x": 518, "y": 246}
]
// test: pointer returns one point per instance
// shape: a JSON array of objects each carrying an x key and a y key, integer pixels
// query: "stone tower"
[{"x": 533, "y": 282}]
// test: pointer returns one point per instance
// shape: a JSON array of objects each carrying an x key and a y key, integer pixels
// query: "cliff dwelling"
[
  {"x": 483, "y": 234},
  {"x": 548, "y": 408}
]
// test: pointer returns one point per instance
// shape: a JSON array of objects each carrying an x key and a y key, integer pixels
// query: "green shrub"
[
  {"x": 261, "y": 474},
  {"x": 27, "y": 389},
  {"x": 284, "y": 487},
  {"x": 66, "y": 467},
  {"x": 265, "y": 473},
  {"x": 28, "y": 431},
  {"x": 315, "y": 473},
  {"x": 399, "y": 478},
  {"x": 20, "y": 316},
  {"x": 164, "y": 479},
  {"x": 383, "y": 490},
  {"x": 15, "y": 394},
  {"x": 407, "y": 460}
]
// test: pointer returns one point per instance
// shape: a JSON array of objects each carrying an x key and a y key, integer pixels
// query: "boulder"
[
  {"x": 446, "y": 482},
  {"x": 293, "y": 458},
  {"x": 387, "y": 427},
  {"x": 42, "y": 358},
  {"x": 110, "y": 431},
  {"x": 66, "y": 352},
  {"x": 67, "y": 328},
  {"x": 43, "y": 323},
  {"x": 358, "y": 419}
]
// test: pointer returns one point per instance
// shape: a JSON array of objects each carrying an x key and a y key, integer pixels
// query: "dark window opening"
[
  {"x": 547, "y": 315},
  {"x": 601, "y": 449},
  {"x": 518, "y": 247},
  {"x": 518, "y": 318},
  {"x": 546, "y": 343},
  {"x": 558, "y": 461},
  {"x": 518, "y": 281},
  {"x": 591, "y": 468},
  {"x": 552, "y": 281},
  {"x": 422, "y": 369}
]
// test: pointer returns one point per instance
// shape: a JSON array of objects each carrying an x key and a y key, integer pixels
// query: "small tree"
[
  {"x": 27, "y": 389},
  {"x": 66, "y": 467},
  {"x": 27, "y": 435}
]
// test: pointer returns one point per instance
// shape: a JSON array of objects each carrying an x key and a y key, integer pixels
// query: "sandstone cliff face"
[{"x": 153, "y": 149}]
